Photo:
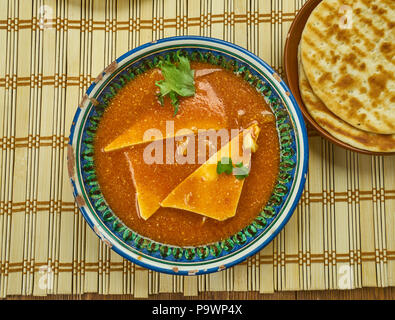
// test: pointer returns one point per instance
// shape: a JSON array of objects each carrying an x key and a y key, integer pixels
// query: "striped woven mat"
[{"x": 341, "y": 235}]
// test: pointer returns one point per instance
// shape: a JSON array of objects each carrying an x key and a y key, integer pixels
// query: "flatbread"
[
  {"x": 211, "y": 194},
  {"x": 348, "y": 55},
  {"x": 337, "y": 127}
]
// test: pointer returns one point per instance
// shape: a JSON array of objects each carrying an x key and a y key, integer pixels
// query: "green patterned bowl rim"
[{"x": 214, "y": 256}]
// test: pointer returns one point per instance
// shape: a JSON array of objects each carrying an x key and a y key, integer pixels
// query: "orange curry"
[{"x": 222, "y": 100}]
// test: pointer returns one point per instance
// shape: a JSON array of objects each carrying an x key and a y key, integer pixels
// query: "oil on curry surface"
[{"x": 139, "y": 193}]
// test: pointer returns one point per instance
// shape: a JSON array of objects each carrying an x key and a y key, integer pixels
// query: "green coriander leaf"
[
  {"x": 174, "y": 101},
  {"x": 225, "y": 165},
  {"x": 239, "y": 165},
  {"x": 164, "y": 88},
  {"x": 178, "y": 80},
  {"x": 241, "y": 172},
  {"x": 160, "y": 99}
]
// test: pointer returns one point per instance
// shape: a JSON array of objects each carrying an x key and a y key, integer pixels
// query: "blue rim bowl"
[{"x": 214, "y": 256}]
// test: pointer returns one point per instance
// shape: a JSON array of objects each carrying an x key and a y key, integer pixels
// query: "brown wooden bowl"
[{"x": 291, "y": 72}]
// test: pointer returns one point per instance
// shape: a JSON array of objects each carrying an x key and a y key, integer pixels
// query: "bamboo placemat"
[{"x": 341, "y": 235}]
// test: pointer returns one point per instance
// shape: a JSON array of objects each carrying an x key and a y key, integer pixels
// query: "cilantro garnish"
[
  {"x": 242, "y": 171},
  {"x": 226, "y": 166},
  {"x": 178, "y": 81}
]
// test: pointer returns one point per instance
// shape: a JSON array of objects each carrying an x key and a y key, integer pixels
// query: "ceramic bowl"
[{"x": 211, "y": 257}]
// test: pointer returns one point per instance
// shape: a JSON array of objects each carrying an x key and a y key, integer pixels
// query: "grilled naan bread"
[
  {"x": 348, "y": 55},
  {"x": 336, "y": 126}
]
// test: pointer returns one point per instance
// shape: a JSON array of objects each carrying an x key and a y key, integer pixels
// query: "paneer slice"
[
  {"x": 204, "y": 111},
  {"x": 154, "y": 181},
  {"x": 135, "y": 134},
  {"x": 211, "y": 194}
]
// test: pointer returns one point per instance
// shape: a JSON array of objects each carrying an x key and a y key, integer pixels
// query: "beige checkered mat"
[{"x": 341, "y": 235}]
